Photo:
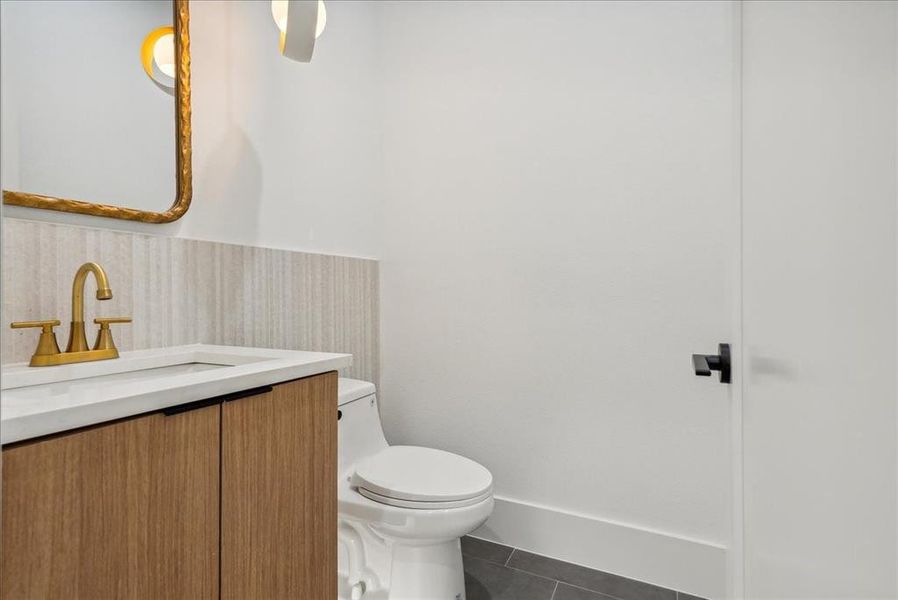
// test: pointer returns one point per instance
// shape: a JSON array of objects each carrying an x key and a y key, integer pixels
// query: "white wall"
[
  {"x": 285, "y": 155},
  {"x": 560, "y": 186},
  {"x": 288, "y": 153},
  {"x": 9, "y": 128}
]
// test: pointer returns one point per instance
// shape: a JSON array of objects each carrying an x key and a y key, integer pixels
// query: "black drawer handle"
[
  {"x": 188, "y": 406},
  {"x": 183, "y": 408},
  {"x": 245, "y": 393}
]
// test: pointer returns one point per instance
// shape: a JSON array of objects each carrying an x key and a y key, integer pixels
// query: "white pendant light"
[
  {"x": 300, "y": 22},
  {"x": 157, "y": 54}
]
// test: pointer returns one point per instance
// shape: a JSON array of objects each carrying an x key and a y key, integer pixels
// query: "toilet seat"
[
  {"x": 435, "y": 505},
  {"x": 423, "y": 478}
]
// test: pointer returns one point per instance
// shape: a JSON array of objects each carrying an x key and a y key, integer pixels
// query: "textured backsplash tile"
[{"x": 187, "y": 291}]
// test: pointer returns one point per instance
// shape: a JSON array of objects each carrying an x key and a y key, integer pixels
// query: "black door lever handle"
[
  {"x": 701, "y": 366},
  {"x": 705, "y": 363}
]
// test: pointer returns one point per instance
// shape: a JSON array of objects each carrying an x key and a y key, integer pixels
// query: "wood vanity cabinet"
[
  {"x": 279, "y": 493},
  {"x": 234, "y": 499},
  {"x": 125, "y": 510}
]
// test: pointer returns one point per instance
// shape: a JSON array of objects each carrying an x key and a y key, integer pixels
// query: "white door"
[{"x": 819, "y": 299}]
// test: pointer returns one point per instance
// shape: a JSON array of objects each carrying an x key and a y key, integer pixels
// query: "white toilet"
[{"x": 402, "y": 509}]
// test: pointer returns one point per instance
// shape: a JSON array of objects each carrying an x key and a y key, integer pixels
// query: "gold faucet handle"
[
  {"x": 46, "y": 345},
  {"x": 105, "y": 321},
  {"x": 104, "y": 335},
  {"x": 47, "y": 325}
]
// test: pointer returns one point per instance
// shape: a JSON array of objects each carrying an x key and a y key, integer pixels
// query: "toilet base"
[
  {"x": 428, "y": 572},
  {"x": 374, "y": 568}
]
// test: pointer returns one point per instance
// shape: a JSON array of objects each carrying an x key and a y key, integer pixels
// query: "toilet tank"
[{"x": 359, "y": 433}]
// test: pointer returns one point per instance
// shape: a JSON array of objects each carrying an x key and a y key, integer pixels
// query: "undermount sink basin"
[
  {"x": 131, "y": 367},
  {"x": 87, "y": 384},
  {"x": 37, "y": 401}
]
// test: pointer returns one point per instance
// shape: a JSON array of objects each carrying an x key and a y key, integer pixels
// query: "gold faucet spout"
[{"x": 77, "y": 338}]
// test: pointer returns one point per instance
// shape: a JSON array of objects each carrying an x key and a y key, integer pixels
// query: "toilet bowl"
[{"x": 402, "y": 509}]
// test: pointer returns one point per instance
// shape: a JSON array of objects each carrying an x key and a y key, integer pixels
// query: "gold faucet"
[
  {"x": 77, "y": 350},
  {"x": 77, "y": 339}
]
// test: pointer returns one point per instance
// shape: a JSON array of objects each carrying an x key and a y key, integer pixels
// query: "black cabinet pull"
[
  {"x": 245, "y": 393},
  {"x": 188, "y": 406},
  {"x": 703, "y": 364},
  {"x": 183, "y": 408}
]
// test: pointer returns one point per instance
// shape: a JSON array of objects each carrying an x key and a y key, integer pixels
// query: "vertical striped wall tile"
[{"x": 188, "y": 291}]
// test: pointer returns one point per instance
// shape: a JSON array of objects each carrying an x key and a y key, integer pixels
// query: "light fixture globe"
[
  {"x": 164, "y": 54},
  {"x": 157, "y": 55},
  {"x": 300, "y": 22}
]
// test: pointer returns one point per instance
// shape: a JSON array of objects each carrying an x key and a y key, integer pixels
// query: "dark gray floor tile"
[
  {"x": 569, "y": 592},
  {"x": 486, "y": 550},
  {"x": 596, "y": 581},
  {"x": 685, "y": 596},
  {"x": 485, "y": 580}
]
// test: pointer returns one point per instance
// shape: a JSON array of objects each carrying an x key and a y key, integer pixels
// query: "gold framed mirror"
[{"x": 91, "y": 135}]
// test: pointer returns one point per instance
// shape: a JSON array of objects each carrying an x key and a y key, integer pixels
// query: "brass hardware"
[
  {"x": 68, "y": 358},
  {"x": 46, "y": 345},
  {"x": 77, "y": 351},
  {"x": 104, "y": 335},
  {"x": 182, "y": 157},
  {"x": 77, "y": 339}
]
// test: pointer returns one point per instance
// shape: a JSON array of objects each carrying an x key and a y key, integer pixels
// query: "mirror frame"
[{"x": 183, "y": 155}]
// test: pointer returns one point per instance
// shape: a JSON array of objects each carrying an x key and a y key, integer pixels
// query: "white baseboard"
[{"x": 671, "y": 561}]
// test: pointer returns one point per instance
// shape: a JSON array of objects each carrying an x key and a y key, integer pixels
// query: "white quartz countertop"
[{"x": 36, "y": 401}]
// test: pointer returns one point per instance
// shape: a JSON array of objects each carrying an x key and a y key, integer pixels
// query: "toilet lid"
[{"x": 422, "y": 474}]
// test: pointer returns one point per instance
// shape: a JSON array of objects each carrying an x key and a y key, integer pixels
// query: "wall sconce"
[
  {"x": 157, "y": 54},
  {"x": 300, "y": 22}
]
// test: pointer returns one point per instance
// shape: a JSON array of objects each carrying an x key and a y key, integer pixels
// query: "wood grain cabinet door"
[
  {"x": 127, "y": 510},
  {"x": 279, "y": 493}
]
